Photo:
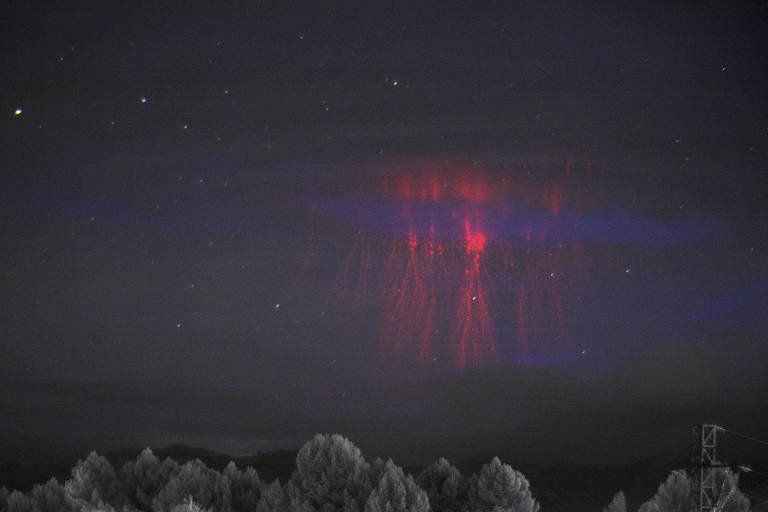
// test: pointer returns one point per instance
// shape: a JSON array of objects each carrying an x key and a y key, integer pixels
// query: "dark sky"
[{"x": 533, "y": 229}]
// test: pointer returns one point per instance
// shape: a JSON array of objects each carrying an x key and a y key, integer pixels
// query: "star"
[{"x": 17, "y": 112}]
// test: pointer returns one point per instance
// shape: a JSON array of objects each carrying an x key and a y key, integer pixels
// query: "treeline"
[
  {"x": 674, "y": 495},
  {"x": 331, "y": 475}
]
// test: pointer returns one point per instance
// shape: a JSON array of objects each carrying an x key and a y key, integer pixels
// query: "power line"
[
  {"x": 756, "y": 440},
  {"x": 748, "y": 469},
  {"x": 704, "y": 460}
]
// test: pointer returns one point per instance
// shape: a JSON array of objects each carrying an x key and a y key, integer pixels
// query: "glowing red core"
[
  {"x": 412, "y": 241},
  {"x": 475, "y": 240}
]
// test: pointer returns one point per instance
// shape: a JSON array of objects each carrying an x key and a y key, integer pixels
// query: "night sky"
[{"x": 537, "y": 230}]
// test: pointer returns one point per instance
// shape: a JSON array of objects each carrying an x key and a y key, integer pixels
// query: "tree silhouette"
[
  {"x": 332, "y": 475},
  {"x": 93, "y": 484},
  {"x": 4, "y": 498},
  {"x": 50, "y": 497},
  {"x": 617, "y": 504},
  {"x": 499, "y": 488},
  {"x": 189, "y": 506},
  {"x": 246, "y": 487},
  {"x": 19, "y": 502},
  {"x": 396, "y": 492},
  {"x": 145, "y": 477},
  {"x": 674, "y": 494},
  {"x": 208, "y": 488},
  {"x": 273, "y": 499},
  {"x": 444, "y": 485}
]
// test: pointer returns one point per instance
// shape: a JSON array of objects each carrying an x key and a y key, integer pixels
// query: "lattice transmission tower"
[{"x": 703, "y": 464}]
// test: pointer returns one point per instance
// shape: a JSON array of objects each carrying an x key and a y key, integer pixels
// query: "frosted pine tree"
[
  {"x": 50, "y": 497},
  {"x": 617, "y": 504},
  {"x": 189, "y": 505},
  {"x": 246, "y": 488},
  {"x": 207, "y": 486},
  {"x": 332, "y": 475},
  {"x": 93, "y": 484},
  {"x": 674, "y": 494},
  {"x": 376, "y": 470},
  {"x": 19, "y": 502},
  {"x": 145, "y": 477},
  {"x": 273, "y": 499},
  {"x": 446, "y": 488},
  {"x": 499, "y": 488},
  {"x": 396, "y": 492}
]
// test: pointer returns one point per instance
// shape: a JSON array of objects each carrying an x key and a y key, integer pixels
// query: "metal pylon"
[{"x": 704, "y": 462}]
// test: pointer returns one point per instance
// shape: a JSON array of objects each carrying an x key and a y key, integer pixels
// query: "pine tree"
[
  {"x": 332, "y": 475},
  {"x": 246, "y": 487},
  {"x": 295, "y": 499},
  {"x": 50, "y": 497},
  {"x": 617, "y": 504},
  {"x": 19, "y": 502},
  {"x": 499, "y": 488},
  {"x": 207, "y": 486},
  {"x": 4, "y": 498},
  {"x": 273, "y": 499},
  {"x": 446, "y": 488},
  {"x": 674, "y": 494},
  {"x": 145, "y": 477},
  {"x": 397, "y": 493},
  {"x": 376, "y": 469},
  {"x": 189, "y": 506},
  {"x": 93, "y": 484}
]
